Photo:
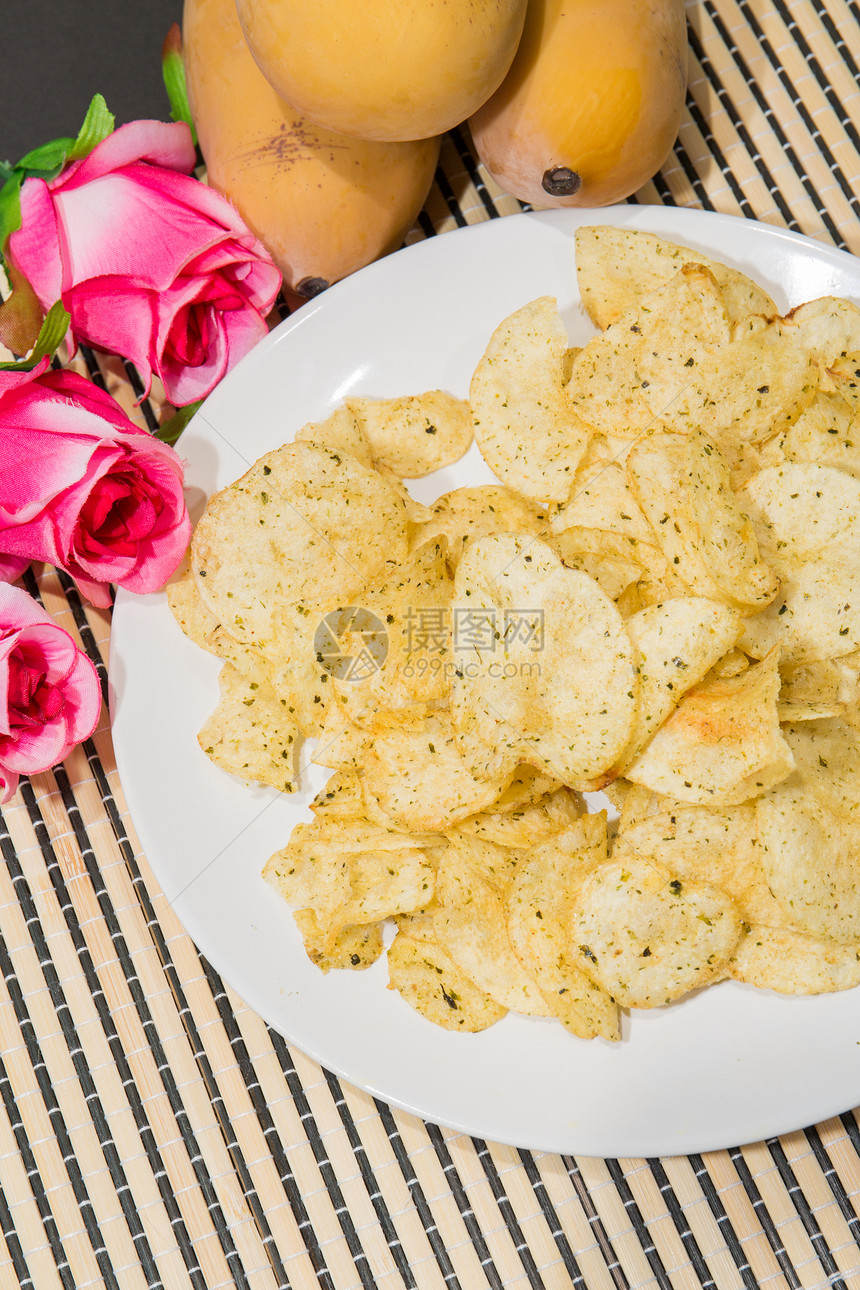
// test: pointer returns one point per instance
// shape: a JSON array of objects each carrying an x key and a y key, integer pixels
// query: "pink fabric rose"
[
  {"x": 83, "y": 488},
  {"x": 49, "y": 691},
  {"x": 150, "y": 263}
]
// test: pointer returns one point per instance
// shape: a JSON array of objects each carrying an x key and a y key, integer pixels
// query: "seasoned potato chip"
[
  {"x": 353, "y": 948},
  {"x": 524, "y": 826},
  {"x": 539, "y": 906},
  {"x": 615, "y": 267},
  {"x": 471, "y": 927},
  {"x": 341, "y": 798},
  {"x": 723, "y": 744},
  {"x": 826, "y": 432},
  {"x": 775, "y": 958},
  {"x": 828, "y": 327},
  {"x": 704, "y": 844},
  {"x": 467, "y": 514},
  {"x": 350, "y": 873},
  {"x": 807, "y": 521},
  {"x": 683, "y": 486},
  {"x": 523, "y": 619},
  {"x": 528, "y": 432},
  {"x": 341, "y": 431},
  {"x": 680, "y": 323},
  {"x": 416, "y": 774},
  {"x": 249, "y": 734},
  {"x": 433, "y": 984},
  {"x": 649, "y": 938},
  {"x": 326, "y": 523},
  {"x": 415, "y": 434},
  {"x": 810, "y": 833},
  {"x": 678, "y": 642},
  {"x": 602, "y": 502}
]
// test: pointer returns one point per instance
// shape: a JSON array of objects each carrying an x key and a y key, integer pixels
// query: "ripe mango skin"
[
  {"x": 597, "y": 89},
  {"x": 322, "y": 204},
  {"x": 384, "y": 69}
]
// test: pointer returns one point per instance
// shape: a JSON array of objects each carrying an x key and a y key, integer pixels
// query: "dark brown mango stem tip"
[
  {"x": 560, "y": 181},
  {"x": 310, "y": 287}
]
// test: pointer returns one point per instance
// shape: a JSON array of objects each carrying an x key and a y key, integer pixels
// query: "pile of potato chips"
[{"x": 659, "y": 601}]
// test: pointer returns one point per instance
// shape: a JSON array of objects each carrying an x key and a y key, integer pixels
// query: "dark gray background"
[{"x": 56, "y": 54}]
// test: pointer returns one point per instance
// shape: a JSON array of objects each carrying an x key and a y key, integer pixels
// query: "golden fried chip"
[
  {"x": 680, "y": 323},
  {"x": 810, "y": 832},
  {"x": 341, "y": 431},
  {"x": 707, "y": 844},
  {"x": 354, "y": 948},
  {"x": 414, "y": 434},
  {"x": 807, "y": 521},
  {"x": 249, "y": 734},
  {"x": 433, "y": 984},
  {"x": 722, "y": 745},
  {"x": 466, "y": 514},
  {"x": 341, "y": 798},
  {"x": 416, "y": 774},
  {"x": 527, "y": 430},
  {"x": 470, "y": 925},
  {"x": 829, "y": 328},
  {"x": 326, "y": 523},
  {"x": 544, "y": 667},
  {"x": 678, "y": 642},
  {"x": 683, "y": 486},
  {"x": 524, "y": 826},
  {"x": 540, "y": 902},
  {"x": 775, "y": 958},
  {"x": 615, "y": 267},
  {"x": 646, "y": 936}
]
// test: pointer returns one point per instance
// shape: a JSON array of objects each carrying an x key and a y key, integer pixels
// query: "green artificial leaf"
[
  {"x": 54, "y": 327},
  {"x": 173, "y": 73},
  {"x": 98, "y": 124},
  {"x": 47, "y": 161},
  {"x": 172, "y": 428}
]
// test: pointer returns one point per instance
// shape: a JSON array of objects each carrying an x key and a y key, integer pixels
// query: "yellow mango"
[
  {"x": 322, "y": 204},
  {"x": 592, "y": 103},
  {"x": 381, "y": 69}
]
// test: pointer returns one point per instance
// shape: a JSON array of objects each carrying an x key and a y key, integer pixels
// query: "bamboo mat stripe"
[{"x": 155, "y": 1133}]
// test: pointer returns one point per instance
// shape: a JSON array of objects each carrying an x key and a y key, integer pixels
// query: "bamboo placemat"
[{"x": 155, "y": 1133}]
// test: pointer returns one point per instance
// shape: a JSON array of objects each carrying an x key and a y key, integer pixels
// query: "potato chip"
[
  {"x": 602, "y": 502},
  {"x": 350, "y": 873},
  {"x": 615, "y": 267},
  {"x": 431, "y": 982},
  {"x": 414, "y": 434},
  {"x": 649, "y": 938},
  {"x": 680, "y": 323},
  {"x": 826, "y": 432},
  {"x": 471, "y": 927},
  {"x": 341, "y": 798},
  {"x": 528, "y": 432},
  {"x": 544, "y": 667},
  {"x": 249, "y": 734},
  {"x": 775, "y": 958},
  {"x": 524, "y": 826},
  {"x": 827, "y": 688},
  {"x": 678, "y": 642},
  {"x": 810, "y": 833},
  {"x": 829, "y": 328},
  {"x": 354, "y": 948},
  {"x": 341, "y": 431},
  {"x": 416, "y": 774},
  {"x": 682, "y": 484},
  {"x": 326, "y": 523},
  {"x": 807, "y": 521},
  {"x": 704, "y": 844},
  {"x": 722, "y": 745},
  {"x": 539, "y": 905},
  {"x": 466, "y": 514}
]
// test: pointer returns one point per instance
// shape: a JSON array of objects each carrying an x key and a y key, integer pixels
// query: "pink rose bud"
[
  {"x": 50, "y": 698},
  {"x": 151, "y": 263},
  {"x": 83, "y": 488}
]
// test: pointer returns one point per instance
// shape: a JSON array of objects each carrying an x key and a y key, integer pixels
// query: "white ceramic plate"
[{"x": 729, "y": 1065}]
